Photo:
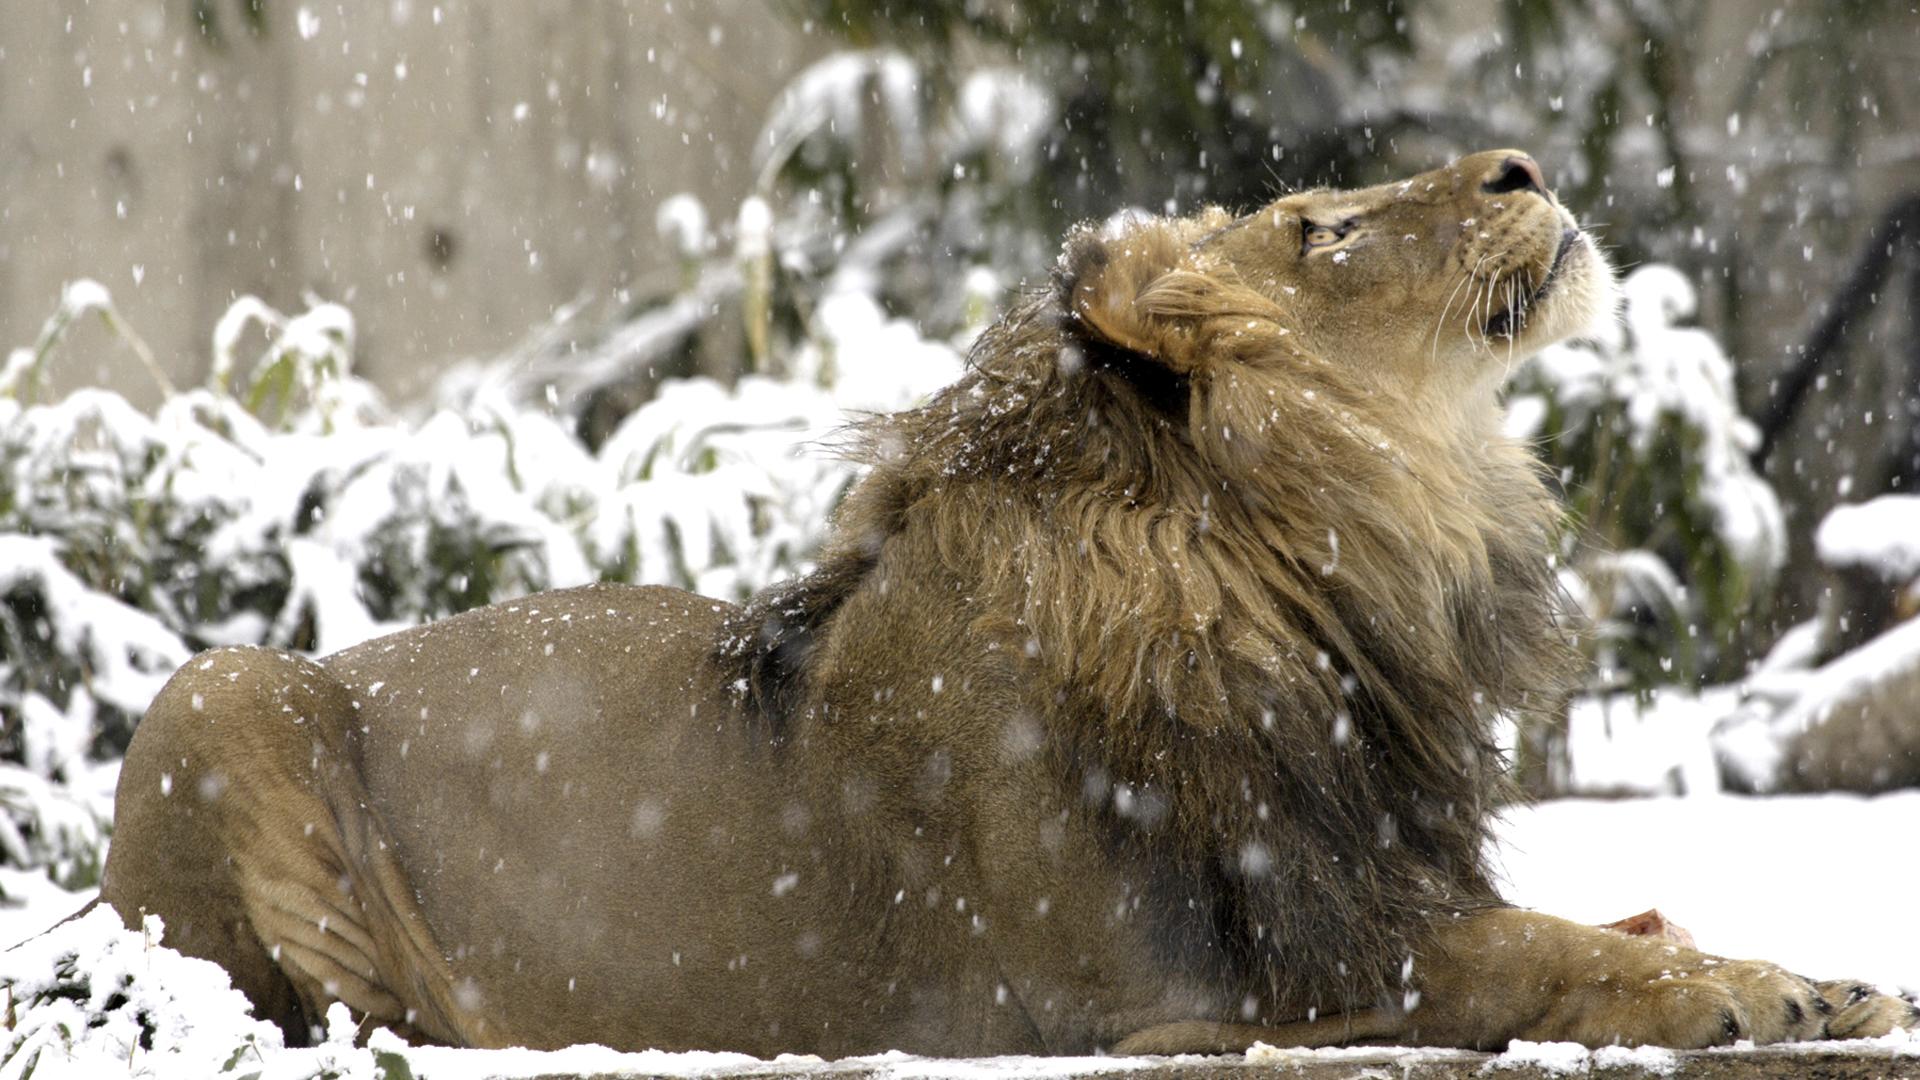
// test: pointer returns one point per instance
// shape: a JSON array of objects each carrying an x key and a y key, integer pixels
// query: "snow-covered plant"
[
  {"x": 91, "y": 998},
  {"x": 891, "y": 184},
  {"x": 90, "y": 992},
  {"x": 308, "y": 359},
  {"x": 306, "y": 515},
  {"x": 882, "y": 194},
  {"x": 24, "y": 371},
  {"x": 1680, "y": 537}
]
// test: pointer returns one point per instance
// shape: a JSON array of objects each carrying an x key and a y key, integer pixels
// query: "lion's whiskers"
[
  {"x": 1433, "y": 357},
  {"x": 1483, "y": 292},
  {"x": 1512, "y": 298}
]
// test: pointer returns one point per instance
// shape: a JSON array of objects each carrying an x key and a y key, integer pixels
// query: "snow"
[
  {"x": 243, "y": 312},
  {"x": 89, "y": 993},
  {"x": 1572, "y": 1059},
  {"x": 1881, "y": 534},
  {"x": 1619, "y": 743},
  {"x": 1293, "y": 1057},
  {"x": 681, "y": 221},
  {"x": 1001, "y": 113},
  {"x": 833, "y": 96},
  {"x": 714, "y": 483},
  {"x": 586, "y": 1060},
  {"x": 571, "y": 374},
  {"x": 51, "y": 826},
  {"x": 753, "y": 229},
  {"x": 906, "y": 1065},
  {"x": 1820, "y": 884},
  {"x": 1682, "y": 369},
  {"x": 1638, "y": 577},
  {"x": 84, "y": 295},
  {"x": 873, "y": 362},
  {"x": 1552, "y": 1058},
  {"x": 1650, "y": 1059},
  {"x": 325, "y": 586}
]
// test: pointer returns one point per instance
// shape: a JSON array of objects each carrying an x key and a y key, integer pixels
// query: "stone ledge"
[{"x": 1839, "y": 1061}]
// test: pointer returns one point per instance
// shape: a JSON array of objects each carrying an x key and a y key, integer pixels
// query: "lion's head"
[{"x": 1428, "y": 288}]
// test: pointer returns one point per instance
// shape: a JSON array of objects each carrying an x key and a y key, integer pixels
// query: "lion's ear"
[
  {"x": 1137, "y": 293},
  {"x": 1106, "y": 273}
]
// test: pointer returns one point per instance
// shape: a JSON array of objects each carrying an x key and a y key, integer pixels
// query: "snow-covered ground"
[{"x": 1825, "y": 885}]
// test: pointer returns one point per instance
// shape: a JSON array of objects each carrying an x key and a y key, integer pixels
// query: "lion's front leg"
[{"x": 1493, "y": 976}]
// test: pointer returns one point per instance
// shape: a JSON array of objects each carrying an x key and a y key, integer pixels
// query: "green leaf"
[{"x": 390, "y": 1065}]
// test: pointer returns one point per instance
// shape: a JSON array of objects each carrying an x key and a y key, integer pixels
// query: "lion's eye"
[{"x": 1319, "y": 236}]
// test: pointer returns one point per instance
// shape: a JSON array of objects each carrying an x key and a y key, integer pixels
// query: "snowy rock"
[
  {"x": 1882, "y": 535},
  {"x": 1848, "y": 725}
]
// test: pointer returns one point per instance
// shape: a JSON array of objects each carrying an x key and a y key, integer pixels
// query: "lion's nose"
[{"x": 1516, "y": 173}]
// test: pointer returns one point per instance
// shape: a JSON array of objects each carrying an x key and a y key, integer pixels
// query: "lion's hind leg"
[{"x": 238, "y": 817}]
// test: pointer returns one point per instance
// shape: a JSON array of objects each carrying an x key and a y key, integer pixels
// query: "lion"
[{"x": 1141, "y": 701}]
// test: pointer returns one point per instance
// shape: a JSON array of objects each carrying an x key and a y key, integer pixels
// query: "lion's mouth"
[{"x": 1511, "y": 321}]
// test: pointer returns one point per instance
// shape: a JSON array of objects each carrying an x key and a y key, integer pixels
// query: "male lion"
[{"x": 1141, "y": 700}]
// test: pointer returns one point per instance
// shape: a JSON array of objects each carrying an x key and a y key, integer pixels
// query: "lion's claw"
[
  {"x": 1686, "y": 1000},
  {"x": 1858, "y": 1011}
]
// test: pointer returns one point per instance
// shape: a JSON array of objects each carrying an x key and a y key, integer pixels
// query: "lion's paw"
[
  {"x": 1858, "y": 1011},
  {"x": 1703, "y": 1001}
]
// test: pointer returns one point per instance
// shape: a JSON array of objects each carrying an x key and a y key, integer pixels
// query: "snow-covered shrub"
[
  {"x": 1679, "y": 537},
  {"x": 284, "y": 504},
  {"x": 691, "y": 498},
  {"x": 91, "y": 998},
  {"x": 82, "y": 996},
  {"x": 889, "y": 207}
]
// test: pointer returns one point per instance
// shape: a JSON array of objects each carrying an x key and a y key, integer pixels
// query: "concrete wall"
[{"x": 452, "y": 171}]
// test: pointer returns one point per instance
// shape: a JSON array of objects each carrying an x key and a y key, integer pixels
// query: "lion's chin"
[{"x": 1578, "y": 296}]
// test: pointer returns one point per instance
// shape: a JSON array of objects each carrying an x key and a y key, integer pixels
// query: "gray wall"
[{"x": 451, "y": 171}]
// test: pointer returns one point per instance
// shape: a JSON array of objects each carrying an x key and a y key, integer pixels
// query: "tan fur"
[{"x": 1142, "y": 698}]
